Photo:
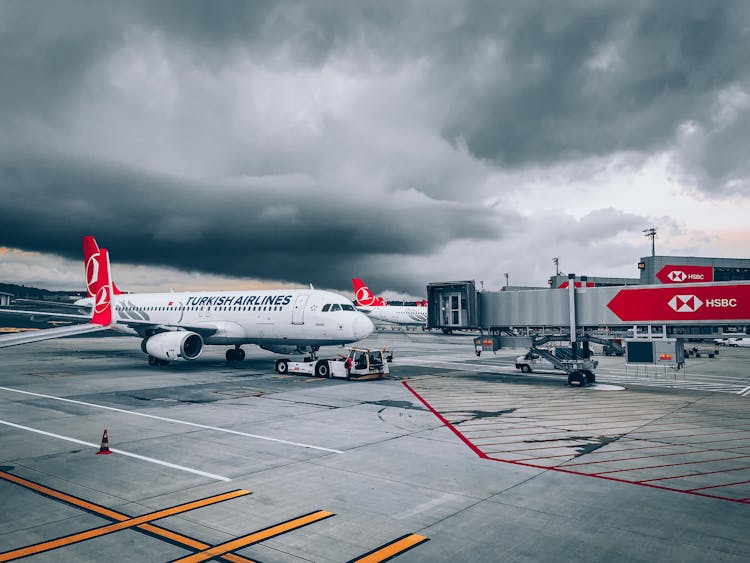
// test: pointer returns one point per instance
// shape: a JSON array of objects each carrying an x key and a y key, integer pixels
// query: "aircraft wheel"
[
  {"x": 240, "y": 354},
  {"x": 591, "y": 376},
  {"x": 152, "y": 361},
  {"x": 322, "y": 369},
  {"x": 282, "y": 366},
  {"x": 230, "y": 356},
  {"x": 525, "y": 368}
]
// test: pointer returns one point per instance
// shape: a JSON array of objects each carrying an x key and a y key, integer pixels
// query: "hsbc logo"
[
  {"x": 685, "y": 303},
  {"x": 678, "y": 276},
  {"x": 691, "y": 303}
]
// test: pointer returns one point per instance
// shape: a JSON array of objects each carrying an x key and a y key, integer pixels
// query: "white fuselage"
[
  {"x": 273, "y": 317},
  {"x": 397, "y": 314}
]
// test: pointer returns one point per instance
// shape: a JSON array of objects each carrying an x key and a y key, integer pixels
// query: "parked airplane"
[
  {"x": 376, "y": 307},
  {"x": 178, "y": 325}
]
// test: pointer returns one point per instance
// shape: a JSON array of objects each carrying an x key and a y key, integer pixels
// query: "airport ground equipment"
[
  {"x": 661, "y": 351},
  {"x": 357, "y": 364}
]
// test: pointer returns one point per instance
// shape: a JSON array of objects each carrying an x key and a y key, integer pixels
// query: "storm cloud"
[{"x": 313, "y": 141}]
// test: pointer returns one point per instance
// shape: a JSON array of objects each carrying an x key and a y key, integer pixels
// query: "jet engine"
[
  {"x": 167, "y": 346},
  {"x": 287, "y": 350}
]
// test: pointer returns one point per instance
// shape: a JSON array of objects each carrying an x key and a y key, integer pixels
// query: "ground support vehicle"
[
  {"x": 580, "y": 371},
  {"x": 357, "y": 364}
]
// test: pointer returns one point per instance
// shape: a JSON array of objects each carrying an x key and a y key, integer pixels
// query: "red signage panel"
[
  {"x": 685, "y": 274},
  {"x": 694, "y": 303},
  {"x": 578, "y": 284}
]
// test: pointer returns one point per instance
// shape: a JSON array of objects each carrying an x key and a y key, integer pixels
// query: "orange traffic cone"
[{"x": 104, "y": 449}]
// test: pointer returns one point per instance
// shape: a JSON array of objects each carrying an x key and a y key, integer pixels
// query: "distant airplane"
[
  {"x": 377, "y": 308},
  {"x": 178, "y": 325}
]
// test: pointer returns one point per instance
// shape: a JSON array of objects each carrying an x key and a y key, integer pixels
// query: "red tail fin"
[
  {"x": 91, "y": 264},
  {"x": 364, "y": 296},
  {"x": 103, "y": 297}
]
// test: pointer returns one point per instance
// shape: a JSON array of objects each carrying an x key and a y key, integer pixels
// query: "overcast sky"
[{"x": 240, "y": 144}]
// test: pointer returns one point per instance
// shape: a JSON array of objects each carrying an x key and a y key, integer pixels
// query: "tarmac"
[{"x": 453, "y": 457}]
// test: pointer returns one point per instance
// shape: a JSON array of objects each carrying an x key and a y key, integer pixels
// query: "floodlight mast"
[{"x": 651, "y": 233}]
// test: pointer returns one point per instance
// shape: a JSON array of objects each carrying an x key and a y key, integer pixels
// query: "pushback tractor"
[{"x": 357, "y": 364}]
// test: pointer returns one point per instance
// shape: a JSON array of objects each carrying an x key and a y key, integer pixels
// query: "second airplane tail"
[{"x": 364, "y": 296}]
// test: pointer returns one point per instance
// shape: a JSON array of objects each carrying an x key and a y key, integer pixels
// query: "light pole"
[{"x": 651, "y": 233}]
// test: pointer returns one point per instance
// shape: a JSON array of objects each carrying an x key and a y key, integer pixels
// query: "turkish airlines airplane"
[
  {"x": 179, "y": 325},
  {"x": 377, "y": 308}
]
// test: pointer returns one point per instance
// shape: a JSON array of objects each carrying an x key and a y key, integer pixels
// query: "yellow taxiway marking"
[
  {"x": 103, "y": 511},
  {"x": 124, "y": 522},
  {"x": 391, "y": 549},
  {"x": 256, "y": 537}
]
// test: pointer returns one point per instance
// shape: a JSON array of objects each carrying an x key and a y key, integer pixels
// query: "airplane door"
[{"x": 298, "y": 311}]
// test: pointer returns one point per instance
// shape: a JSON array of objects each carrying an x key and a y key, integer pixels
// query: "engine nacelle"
[
  {"x": 172, "y": 345},
  {"x": 286, "y": 350}
]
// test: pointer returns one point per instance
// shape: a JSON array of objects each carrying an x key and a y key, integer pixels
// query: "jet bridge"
[{"x": 587, "y": 314}]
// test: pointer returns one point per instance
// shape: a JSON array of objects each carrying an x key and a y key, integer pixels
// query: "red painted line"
[
  {"x": 725, "y": 485},
  {"x": 461, "y": 437},
  {"x": 694, "y": 474},
  {"x": 675, "y": 465},
  {"x": 561, "y": 470}
]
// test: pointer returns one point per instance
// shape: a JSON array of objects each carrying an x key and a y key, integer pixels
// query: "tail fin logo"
[
  {"x": 92, "y": 274},
  {"x": 364, "y": 296},
  {"x": 103, "y": 298}
]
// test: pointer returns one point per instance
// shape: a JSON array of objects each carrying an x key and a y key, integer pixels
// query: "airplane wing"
[
  {"x": 29, "y": 336},
  {"x": 102, "y": 318}
]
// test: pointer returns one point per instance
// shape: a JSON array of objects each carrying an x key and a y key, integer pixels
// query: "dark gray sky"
[{"x": 211, "y": 144}]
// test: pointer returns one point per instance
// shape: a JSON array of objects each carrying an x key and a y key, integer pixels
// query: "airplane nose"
[{"x": 362, "y": 327}]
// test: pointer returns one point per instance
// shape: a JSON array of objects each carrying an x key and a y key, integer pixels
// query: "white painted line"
[
  {"x": 175, "y": 421},
  {"x": 121, "y": 452},
  {"x": 743, "y": 391}
]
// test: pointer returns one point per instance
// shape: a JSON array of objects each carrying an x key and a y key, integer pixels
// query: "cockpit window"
[
  {"x": 335, "y": 307},
  {"x": 326, "y": 307},
  {"x": 347, "y": 307}
]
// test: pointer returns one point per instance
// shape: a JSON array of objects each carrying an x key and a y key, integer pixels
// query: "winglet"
[{"x": 103, "y": 298}]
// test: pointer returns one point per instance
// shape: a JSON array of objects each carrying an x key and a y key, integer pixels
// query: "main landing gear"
[
  {"x": 157, "y": 362},
  {"x": 235, "y": 354}
]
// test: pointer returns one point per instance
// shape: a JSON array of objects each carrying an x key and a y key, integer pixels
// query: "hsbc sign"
[
  {"x": 708, "y": 303},
  {"x": 685, "y": 274},
  {"x": 691, "y": 303}
]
